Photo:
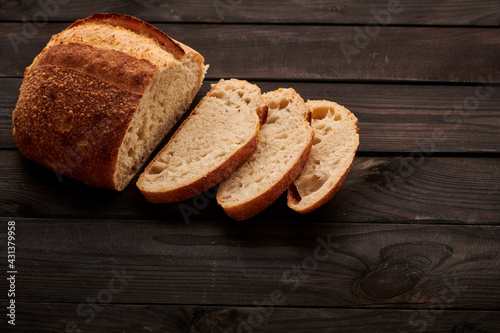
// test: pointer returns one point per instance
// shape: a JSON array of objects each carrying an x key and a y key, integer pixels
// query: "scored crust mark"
[
  {"x": 138, "y": 26},
  {"x": 112, "y": 66},
  {"x": 334, "y": 147}
]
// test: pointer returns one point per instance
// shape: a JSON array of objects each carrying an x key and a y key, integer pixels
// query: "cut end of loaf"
[
  {"x": 334, "y": 147},
  {"x": 163, "y": 104},
  {"x": 136, "y": 26}
]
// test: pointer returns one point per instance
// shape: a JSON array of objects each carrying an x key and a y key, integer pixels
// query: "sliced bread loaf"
[
  {"x": 334, "y": 146},
  {"x": 284, "y": 143},
  {"x": 220, "y": 134},
  {"x": 102, "y": 95}
]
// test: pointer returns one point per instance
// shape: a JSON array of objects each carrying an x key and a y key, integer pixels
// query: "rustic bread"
[
  {"x": 284, "y": 143},
  {"x": 218, "y": 136},
  {"x": 334, "y": 146},
  {"x": 102, "y": 95}
]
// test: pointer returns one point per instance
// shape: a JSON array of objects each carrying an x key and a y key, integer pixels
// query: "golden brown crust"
[
  {"x": 114, "y": 67},
  {"x": 138, "y": 26},
  {"x": 77, "y": 101},
  {"x": 251, "y": 208},
  {"x": 72, "y": 123},
  {"x": 293, "y": 197}
]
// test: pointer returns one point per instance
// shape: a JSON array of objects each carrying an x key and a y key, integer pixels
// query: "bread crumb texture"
[
  {"x": 334, "y": 147},
  {"x": 284, "y": 143},
  {"x": 223, "y": 123},
  {"x": 163, "y": 104}
]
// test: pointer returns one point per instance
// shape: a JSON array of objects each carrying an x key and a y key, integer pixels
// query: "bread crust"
[
  {"x": 83, "y": 100},
  {"x": 115, "y": 67},
  {"x": 76, "y": 102},
  {"x": 60, "y": 124},
  {"x": 138, "y": 26}
]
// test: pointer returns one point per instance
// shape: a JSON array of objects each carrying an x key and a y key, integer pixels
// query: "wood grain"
[
  {"x": 312, "y": 264},
  {"x": 410, "y": 243},
  {"x": 297, "y": 52},
  {"x": 56, "y": 317},
  {"x": 401, "y": 189},
  {"x": 9, "y": 91},
  {"x": 424, "y": 12},
  {"x": 6, "y": 138},
  {"x": 399, "y": 118}
]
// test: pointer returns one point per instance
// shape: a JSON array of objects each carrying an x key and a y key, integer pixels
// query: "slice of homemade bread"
[
  {"x": 102, "y": 95},
  {"x": 220, "y": 134},
  {"x": 284, "y": 143},
  {"x": 334, "y": 146}
]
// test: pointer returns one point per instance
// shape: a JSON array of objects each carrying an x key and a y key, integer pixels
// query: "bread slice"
[
  {"x": 335, "y": 143},
  {"x": 220, "y": 134},
  {"x": 285, "y": 142},
  {"x": 102, "y": 95}
]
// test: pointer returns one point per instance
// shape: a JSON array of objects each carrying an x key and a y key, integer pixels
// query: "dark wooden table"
[{"x": 410, "y": 243}]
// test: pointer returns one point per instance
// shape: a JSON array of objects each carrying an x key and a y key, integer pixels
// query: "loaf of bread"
[
  {"x": 218, "y": 136},
  {"x": 284, "y": 144},
  {"x": 334, "y": 146},
  {"x": 102, "y": 95}
]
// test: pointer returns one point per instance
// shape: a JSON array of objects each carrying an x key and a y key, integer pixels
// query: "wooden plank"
[
  {"x": 321, "y": 53},
  {"x": 9, "y": 91},
  {"x": 394, "y": 188},
  {"x": 392, "y": 117},
  {"x": 6, "y": 139},
  {"x": 409, "y": 118},
  {"x": 217, "y": 263},
  {"x": 424, "y": 12},
  {"x": 59, "y": 317}
]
